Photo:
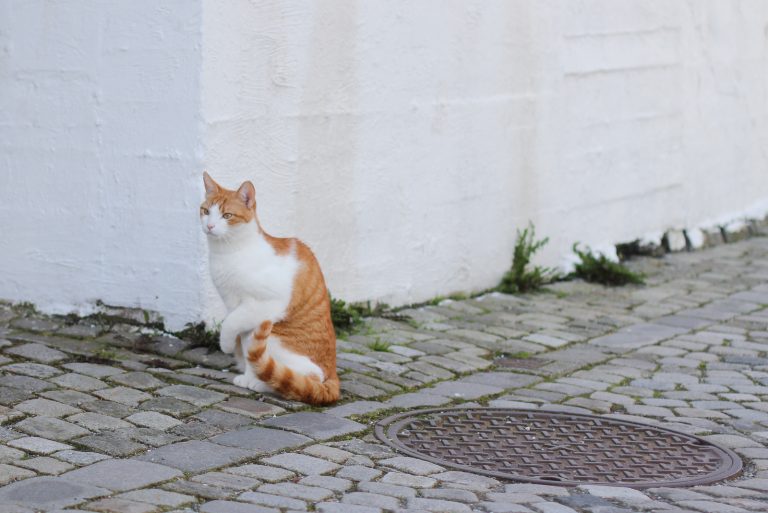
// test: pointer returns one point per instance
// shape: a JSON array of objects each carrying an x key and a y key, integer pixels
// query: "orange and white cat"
[{"x": 279, "y": 320}]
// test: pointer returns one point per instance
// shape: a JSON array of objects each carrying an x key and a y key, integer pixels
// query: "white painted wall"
[
  {"x": 100, "y": 154},
  {"x": 404, "y": 141}
]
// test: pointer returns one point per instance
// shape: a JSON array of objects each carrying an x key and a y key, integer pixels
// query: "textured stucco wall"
[
  {"x": 407, "y": 141},
  {"x": 404, "y": 141},
  {"x": 100, "y": 154}
]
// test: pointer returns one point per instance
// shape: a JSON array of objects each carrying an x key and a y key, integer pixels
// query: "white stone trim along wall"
[{"x": 404, "y": 141}]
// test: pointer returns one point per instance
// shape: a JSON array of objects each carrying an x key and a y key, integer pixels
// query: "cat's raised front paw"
[{"x": 251, "y": 383}]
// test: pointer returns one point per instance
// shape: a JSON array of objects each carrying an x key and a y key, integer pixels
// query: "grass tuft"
[
  {"x": 348, "y": 317},
  {"x": 200, "y": 335},
  {"x": 379, "y": 345},
  {"x": 599, "y": 269},
  {"x": 522, "y": 276}
]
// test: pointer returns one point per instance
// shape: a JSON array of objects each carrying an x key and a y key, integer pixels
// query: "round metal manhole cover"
[{"x": 557, "y": 448}]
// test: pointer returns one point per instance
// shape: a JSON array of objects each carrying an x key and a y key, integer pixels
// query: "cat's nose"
[{"x": 210, "y": 227}]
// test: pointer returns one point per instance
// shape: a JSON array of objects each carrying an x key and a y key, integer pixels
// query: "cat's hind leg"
[{"x": 248, "y": 379}]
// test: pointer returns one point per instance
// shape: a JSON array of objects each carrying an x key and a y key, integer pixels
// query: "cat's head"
[{"x": 224, "y": 212}]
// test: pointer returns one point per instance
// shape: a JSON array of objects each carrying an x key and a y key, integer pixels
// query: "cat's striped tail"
[{"x": 292, "y": 385}]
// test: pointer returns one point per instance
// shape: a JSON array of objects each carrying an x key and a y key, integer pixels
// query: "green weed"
[
  {"x": 599, "y": 269},
  {"x": 379, "y": 345},
  {"x": 522, "y": 276},
  {"x": 200, "y": 335}
]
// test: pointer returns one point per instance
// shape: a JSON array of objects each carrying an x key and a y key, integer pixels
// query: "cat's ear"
[
  {"x": 211, "y": 187},
  {"x": 247, "y": 193}
]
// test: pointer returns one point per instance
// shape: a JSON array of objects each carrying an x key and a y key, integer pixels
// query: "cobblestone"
[{"x": 685, "y": 352}]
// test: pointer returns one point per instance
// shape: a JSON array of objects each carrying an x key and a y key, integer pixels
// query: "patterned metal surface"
[{"x": 557, "y": 448}]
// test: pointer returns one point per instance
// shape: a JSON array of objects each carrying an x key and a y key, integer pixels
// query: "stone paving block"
[
  {"x": 328, "y": 453},
  {"x": 112, "y": 444},
  {"x": 506, "y": 507},
  {"x": 97, "y": 421},
  {"x": 415, "y": 399},
  {"x": 364, "y": 448},
  {"x": 48, "y": 493},
  {"x": 470, "y": 481},
  {"x": 45, "y": 465},
  {"x": 157, "y": 497},
  {"x": 711, "y": 507},
  {"x": 199, "y": 490},
  {"x": 463, "y": 390},
  {"x": 50, "y": 428},
  {"x": 297, "y": 491},
  {"x": 402, "y": 492},
  {"x": 153, "y": 420},
  {"x": 336, "y": 484},
  {"x": 140, "y": 380},
  {"x": 354, "y": 408},
  {"x": 358, "y": 473},
  {"x": 9, "y": 455},
  {"x": 150, "y": 436},
  {"x": 22, "y": 383},
  {"x": 123, "y": 395},
  {"x": 46, "y": 408},
  {"x": 337, "y": 507},
  {"x": 224, "y": 480},
  {"x": 169, "y": 406},
  {"x": 302, "y": 464},
  {"x": 115, "y": 505},
  {"x": 122, "y": 475},
  {"x": 504, "y": 380},
  {"x": 450, "y": 495},
  {"x": 275, "y": 501},
  {"x": 371, "y": 499},
  {"x": 249, "y": 407},
  {"x": 10, "y": 473},
  {"x": 38, "y": 445},
  {"x": 262, "y": 472},
  {"x": 32, "y": 370},
  {"x": 79, "y": 457},
  {"x": 221, "y": 419},
  {"x": 438, "y": 505},
  {"x": 760, "y": 484},
  {"x": 79, "y": 382},
  {"x": 398, "y": 478},
  {"x": 220, "y": 506},
  {"x": 261, "y": 440},
  {"x": 10, "y": 396},
  {"x": 109, "y": 408},
  {"x": 37, "y": 352},
  {"x": 196, "y": 456},
  {"x": 315, "y": 425},
  {"x": 412, "y": 465},
  {"x": 619, "y": 493},
  {"x": 197, "y": 396}
]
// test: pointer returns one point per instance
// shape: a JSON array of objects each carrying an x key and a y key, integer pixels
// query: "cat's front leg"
[
  {"x": 228, "y": 336},
  {"x": 249, "y": 316}
]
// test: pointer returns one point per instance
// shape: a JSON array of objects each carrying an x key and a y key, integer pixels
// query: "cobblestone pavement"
[{"x": 101, "y": 415}]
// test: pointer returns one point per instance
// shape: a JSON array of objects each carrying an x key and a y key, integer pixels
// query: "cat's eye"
[
  {"x": 227, "y": 216},
  {"x": 204, "y": 211}
]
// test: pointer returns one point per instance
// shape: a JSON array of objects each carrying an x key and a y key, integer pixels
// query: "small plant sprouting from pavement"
[
  {"x": 200, "y": 335},
  {"x": 379, "y": 345},
  {"x": 348, "y": 317},
  {"x": 522, "y": 276},
  {"x": 599, "y": 269},
  {"x": 105, "y": 353}
]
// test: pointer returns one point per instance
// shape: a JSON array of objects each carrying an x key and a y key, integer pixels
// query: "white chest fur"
[{"x": 246, "y": 268}]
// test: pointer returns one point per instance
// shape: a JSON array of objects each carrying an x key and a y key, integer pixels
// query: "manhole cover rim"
[{"x": 384, "y": 429}]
